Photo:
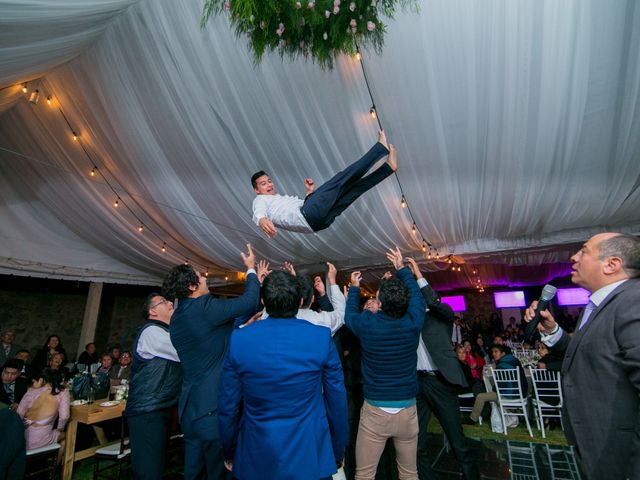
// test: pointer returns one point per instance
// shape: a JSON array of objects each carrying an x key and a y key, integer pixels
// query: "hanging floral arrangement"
[{"x": 321, "y": 29}]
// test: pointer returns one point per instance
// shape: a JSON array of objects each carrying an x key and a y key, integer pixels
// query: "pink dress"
[{"x": 41, "y": 432}]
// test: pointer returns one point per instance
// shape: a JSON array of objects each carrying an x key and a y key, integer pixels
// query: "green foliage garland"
[{"x": 320, "y": 29}]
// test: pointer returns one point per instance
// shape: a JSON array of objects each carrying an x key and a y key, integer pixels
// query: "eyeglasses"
[{"x": 164, "y": 300}]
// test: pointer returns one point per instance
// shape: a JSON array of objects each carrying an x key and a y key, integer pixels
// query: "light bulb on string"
[
  {"x": 35, "y": 97},
  {"x": 424, "y": 247},
  {"x": 116, "y": 204},
  {"x": 206, "y": 274},
  {"x": 164, "y": 247},
  {"x": 186, "y": 262},
  {"x": 429, "y": 255},
  {"x": 474, "y": 271},
  {"x": 372, "y": 111},
  {"x": 93, "y": 172},
  {"x": 357, "y": 55},
  {"x": 437, "y": 255},
  {"x": 75, "y": 135},
  {"x": 141, "y": 228},
  {"x": 226, "y": 277},
  {"x": 414, "y": 229},
  {"x": 49, "y": 99},
  {"x": 24, "y": 88},
  {"x": 403, "y": 202}
]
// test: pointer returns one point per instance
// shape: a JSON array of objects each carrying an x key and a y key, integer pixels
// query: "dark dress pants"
[
  {"x": 149, "y": 434},
  {"x": 12, "y": 445},
  {"x": 203, "y": 454},
  {"x": 437, "y": 395},
  {"x": 332, "y": 198}
]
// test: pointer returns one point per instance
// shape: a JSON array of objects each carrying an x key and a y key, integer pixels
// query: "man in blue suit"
[
  {"x": 288, "y": 377},
  {"x": 200, "y": 329}
]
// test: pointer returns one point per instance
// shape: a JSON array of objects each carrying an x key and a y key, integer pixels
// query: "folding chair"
[
  {"x": 522, "y": 462},
  {"x": 546, "y": 387},
  {"x": 562, "y": 463},
  {"x": 510, "y": 396},
  {"x": 42, "y": 462},
  {"x": 117, "y": 457}
]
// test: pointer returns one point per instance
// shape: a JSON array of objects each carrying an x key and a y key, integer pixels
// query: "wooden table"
[{"x": 89, "y": 414}]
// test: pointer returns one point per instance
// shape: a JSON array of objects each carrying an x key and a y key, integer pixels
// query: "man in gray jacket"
[{"x": 601, "y": 366}]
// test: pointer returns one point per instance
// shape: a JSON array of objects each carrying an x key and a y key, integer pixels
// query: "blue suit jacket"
[
  {"x": 287, "y": 374},
  {"x": 200, "y": 329}
]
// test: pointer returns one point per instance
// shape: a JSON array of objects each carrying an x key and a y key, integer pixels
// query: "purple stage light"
[
  {"x": 456, "y": 302},
  {"x": 509, "y": 299},
  {"x": 572, "y": 296}
]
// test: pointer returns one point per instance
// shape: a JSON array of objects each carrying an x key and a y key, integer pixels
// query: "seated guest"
[
  {"x": 14, "y": 386},
  {"x": 46, "y": 401},
  {"x": 461, "y": 353},
  {"x": 8, "y": 349},
  {"x": 474, "y": 360},
  {"x": 389, "y": 341},
  {"x": 57, "y": 359},
  {"x": 89, "y": 356},
  {"x": 43, "y": 356},
  {"x": 115, "y": 355},
  {"x": 24, "y": 355},
  {"x": 504, "y": 360},
  {"x": 106, "y": 364},
  {"x": 499, "y": 340},
  {"x": 122, "y": 371},
  {"x": 282, "y": 405},
  {"x": 481, "y": 349},
  {"x": 549, "y": 360}
]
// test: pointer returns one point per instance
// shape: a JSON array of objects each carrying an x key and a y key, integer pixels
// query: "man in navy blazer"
[
  {"x": 287, "y": 375},
  {"x": 200, "y": 329}
]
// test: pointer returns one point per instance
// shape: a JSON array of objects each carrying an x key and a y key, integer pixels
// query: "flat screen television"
[
  {"x": 572, "y": 296},
  {"x": 456, "y": 302},
  {"x": 509, "y": 299}
]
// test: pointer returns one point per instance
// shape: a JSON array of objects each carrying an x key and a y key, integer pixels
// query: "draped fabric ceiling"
[{"x": 517, "y": 126}]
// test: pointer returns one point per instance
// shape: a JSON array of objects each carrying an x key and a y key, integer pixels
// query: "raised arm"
[
  {"x": 352, "y": 310},
  {"x": 416, "y": 307},
  {"x": 440, "y": 311}
]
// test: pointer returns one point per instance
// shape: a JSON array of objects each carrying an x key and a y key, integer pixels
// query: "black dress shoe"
[{"x": 469, "y": 421}]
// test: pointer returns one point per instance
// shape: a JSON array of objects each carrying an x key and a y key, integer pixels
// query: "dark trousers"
[
  {"x": 12, "y": 445},
  {"x": 322, "y": 207},
  {"x": 203, "y": 457},
  {"x": 149, "y": 433},
  {"x": 437, "y": 395}
]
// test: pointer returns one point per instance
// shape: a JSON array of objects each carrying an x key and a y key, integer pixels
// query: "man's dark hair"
[
  {"x": 394, "y": 297},
  {"x": 24, "y": 350},
  {"x": 503, "y": 348},
  {"x": 146, "y": 306},
  {"x": 51, "y": 377},
  {"x": 306, "y": 290},
  {"x": 13, "y": 363},
  {"x": 256, "y": 176},
  {"x": 625, "y": 246},
  {"x": 87, "y": 345},
  {"x": 177, "y": 282},
  {"x": 281, "y": 294}
]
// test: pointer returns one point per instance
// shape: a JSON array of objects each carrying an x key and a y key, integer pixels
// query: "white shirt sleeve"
[
  {"x": 551, "y": 340},
  {"x": 259, "y": 209},
  {"x": 422, "y": 282},
  {"x": 336, "y": 318},
  {"x": 155, "y": 342}
]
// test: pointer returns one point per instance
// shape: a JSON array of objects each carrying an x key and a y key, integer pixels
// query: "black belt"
[{"x": 424, "y": 373}]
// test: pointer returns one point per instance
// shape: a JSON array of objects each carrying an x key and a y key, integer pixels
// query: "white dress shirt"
[
  {"x": 424, "y": 359},
  {"x": 282, "y": 210},
  {"x": 596, "y": 298},
  {"x": 155, "y": 342}
]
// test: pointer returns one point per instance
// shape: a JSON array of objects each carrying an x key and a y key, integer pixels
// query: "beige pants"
[
  {"x": 478, "y": 405},
  {"x": 376, "y": 426}
]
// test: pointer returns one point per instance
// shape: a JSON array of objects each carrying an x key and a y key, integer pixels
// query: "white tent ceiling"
[{"x": 517, "y": 126}]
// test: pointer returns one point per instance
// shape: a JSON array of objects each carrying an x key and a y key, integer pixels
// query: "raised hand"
[
  {"x": 249, "y": 260},
  {"x": 395, "y": 257},
  {"x": 318, "y": 284},
  {"x": 332, "y": 272},
  {"x": 413, "y": 266},
  {"x": 267, "y": 227},
  {"x": 263, "y": 270},
  {"x": 309, "y": 185},
  {"x": 547, "y": 322},
  {"x": 387, "y": 275},
  {"x": 289, "y": 268},
  {"x": 355, "y": 279},
  {"x": 257, "y": 316}
]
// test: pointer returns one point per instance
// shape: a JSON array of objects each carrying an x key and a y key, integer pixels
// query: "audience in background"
[
  {"x": 24, "y": 355},
  {"x": 114, "y": 351},
  {"x": 43, "y": 356},
  {"x": 45, "y": 402},
  {"x": 7, "y": 348},
  {"x": 549, "y": 360},
  {"x": 106, "y": 364},
  {"x": 473, "y": 359},
  {"x": 89, "y": 356},
  {"x": 57, "y": 363},
  {"x": 122, "y": 371},
  {"x": 481, "y": 350}
]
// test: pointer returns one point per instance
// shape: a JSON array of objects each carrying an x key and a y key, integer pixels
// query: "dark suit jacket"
[
  {"x": 20, "y": 389},
  {"x": 601, "y": 383},
  {"x": 436, "y": 335},
  {"x": 286, "y": 374},
  {"x": 200, "y": 329},
  {"x": 12, "y": 353}
]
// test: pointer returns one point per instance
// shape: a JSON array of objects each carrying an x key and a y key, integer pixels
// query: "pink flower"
[
  {"x": 336, "y": 10},
  {"x": 280, "y": 30},
  {"x": 227, "y": 6},
  {"x": 371, "y": 26},
  {"x": 336, "y": 3},
  {"x": 327, "y": 13}
]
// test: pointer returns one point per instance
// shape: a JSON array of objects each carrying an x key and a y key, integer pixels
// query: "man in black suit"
[
  {"x": 601, "y": 366},
  {"x": 13, "y": 385},
  {"x": 439, "y": 378},
  {"x": 8, "y": 349}
]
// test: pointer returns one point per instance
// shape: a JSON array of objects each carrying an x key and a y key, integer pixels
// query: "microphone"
[{"x": 548, "y": 292}]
